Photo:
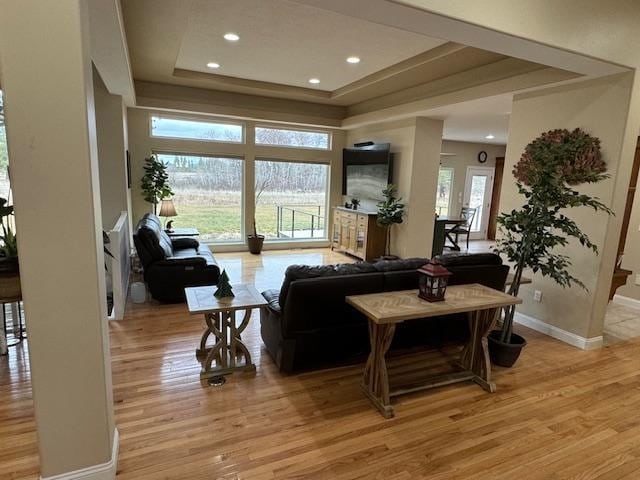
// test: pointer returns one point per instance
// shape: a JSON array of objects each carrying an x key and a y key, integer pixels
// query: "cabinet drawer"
[
  {"x": 363, "y": 218},
  {"x": 348, "y": 216}
]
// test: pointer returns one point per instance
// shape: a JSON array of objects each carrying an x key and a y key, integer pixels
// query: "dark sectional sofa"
[
  {"x": 169, "y": 264},
  {"x": 308, "y": 324}
]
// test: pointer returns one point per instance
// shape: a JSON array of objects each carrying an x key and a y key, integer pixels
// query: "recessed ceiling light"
[
  {"x": 213, "y": 65},
  {"x": 353, "y": 60},
  {"x": 490, "y": 137},
  {"x": 315, "y": 81},
  {"x": 232, "y": 37}
]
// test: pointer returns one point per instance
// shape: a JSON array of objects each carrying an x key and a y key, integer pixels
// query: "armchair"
[{"x": 170, "y": 265}]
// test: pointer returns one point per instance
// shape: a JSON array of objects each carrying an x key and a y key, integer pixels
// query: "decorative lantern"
[{"x": 433, "y": 280}]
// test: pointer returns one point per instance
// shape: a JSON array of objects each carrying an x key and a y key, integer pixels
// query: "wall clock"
[{"x": 482, "y": 156}]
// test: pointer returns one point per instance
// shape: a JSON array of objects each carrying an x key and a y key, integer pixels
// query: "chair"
[{"x": 468, "y": 214}]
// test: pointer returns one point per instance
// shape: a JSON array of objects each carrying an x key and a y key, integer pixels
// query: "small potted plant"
[
  {"x": 155, "y": 181},
  {"x": 390, "y": 213},
  {"x": 10, "y": 286},
  {"x": 255, "y": 241},
  {"x": 548, "y": 169}
]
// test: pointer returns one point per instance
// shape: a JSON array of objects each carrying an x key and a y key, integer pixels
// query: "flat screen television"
[{"x": 366, "y": 171}]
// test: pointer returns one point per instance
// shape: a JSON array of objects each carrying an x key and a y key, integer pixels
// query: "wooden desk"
[
  {"x": 386, "y": 310},
  {"x": 220, "y": 318}
]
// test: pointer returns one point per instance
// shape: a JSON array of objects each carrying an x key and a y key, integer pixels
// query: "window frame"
[
  {"x": 242, "y": 125},
  {"x": 327, "y": 197},
  {"x": 243, "y": 192},
  {"x": 308, "y": 130}
]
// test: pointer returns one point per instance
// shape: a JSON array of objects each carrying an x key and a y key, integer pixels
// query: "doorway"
[{"x": 477, "y": 194}]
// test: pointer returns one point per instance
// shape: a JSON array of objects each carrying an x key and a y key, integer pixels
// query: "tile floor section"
[{"x": 621, "y": 323}]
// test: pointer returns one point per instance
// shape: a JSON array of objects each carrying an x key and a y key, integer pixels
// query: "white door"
[{"x": 477, "y": 194}]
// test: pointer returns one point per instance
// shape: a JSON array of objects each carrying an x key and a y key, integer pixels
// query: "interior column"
[
  {"x": 415, "y": 235},
  {"x": 47, "y": 79}
]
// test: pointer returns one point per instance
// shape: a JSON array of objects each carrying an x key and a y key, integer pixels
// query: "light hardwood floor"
[{"x": 561, "y": 413}]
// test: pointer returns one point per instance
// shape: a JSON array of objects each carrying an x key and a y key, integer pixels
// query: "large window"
[
  {"x": 293, "y": 138},
  {"x": 291, "y": 199},
  {"x": 443, "y": 195},
  {"x": 207, "y": 195},
  {"x": 196, "y": 130}
]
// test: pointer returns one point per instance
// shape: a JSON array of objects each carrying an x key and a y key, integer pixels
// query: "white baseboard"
[
  {"x": 627, "y": 302},
  {"x": 558, "y": 333},
  {"x": 104, "y": 471}
]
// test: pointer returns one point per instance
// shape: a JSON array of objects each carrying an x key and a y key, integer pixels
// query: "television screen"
[{"x": 367, "y": 171}]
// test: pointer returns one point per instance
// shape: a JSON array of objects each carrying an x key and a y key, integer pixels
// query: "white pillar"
[
  {"x": 415, "y": 235},
  {"x": 47, "y": 79}
]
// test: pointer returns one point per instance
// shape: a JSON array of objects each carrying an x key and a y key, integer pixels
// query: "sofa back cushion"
[
  {"x": 319, "y": 303},
  {"x": 302, "y": 272},
  {"x": 152, "y": 242}
]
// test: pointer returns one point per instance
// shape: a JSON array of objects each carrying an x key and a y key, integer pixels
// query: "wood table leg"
[
  {"x": 375, "y": 381},
  {"x": 228, "y": 345},
  {"x": 475, "y": 355},
  {"x": 237, "y": 344}
]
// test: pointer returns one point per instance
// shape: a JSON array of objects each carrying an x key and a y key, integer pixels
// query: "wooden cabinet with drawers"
[{"x": 357, "y": 233}]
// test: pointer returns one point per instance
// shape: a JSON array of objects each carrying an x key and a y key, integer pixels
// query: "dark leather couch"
[
  {"x": 308, "y": 324},
  {"x": 170, "y": 265}
]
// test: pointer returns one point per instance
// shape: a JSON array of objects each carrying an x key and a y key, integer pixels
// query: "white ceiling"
[
  {"x": 287, "y": 43},
  {"x": 472, "y": 121}
]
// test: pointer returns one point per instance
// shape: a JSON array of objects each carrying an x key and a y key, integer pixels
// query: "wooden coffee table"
[
  {"x": 385, "y": 310},
  {"x": 220, "y": 318}
]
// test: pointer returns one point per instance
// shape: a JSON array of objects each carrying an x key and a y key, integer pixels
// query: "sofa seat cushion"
[
  {"x": 202, "y": 251},
  {"x": 301, "y": 272}
]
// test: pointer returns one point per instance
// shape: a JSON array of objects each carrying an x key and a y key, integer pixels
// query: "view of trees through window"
[
  {"x": 292, "y": 138},
  {"x": 196, "y": 130},
  {"x": 292, "y": 199},
  {"x": 207, "y": 195},
  {"x": 443, "y": 196}
]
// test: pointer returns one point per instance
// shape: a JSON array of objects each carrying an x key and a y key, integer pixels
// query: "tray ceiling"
[{"x": 288, "y": 43}]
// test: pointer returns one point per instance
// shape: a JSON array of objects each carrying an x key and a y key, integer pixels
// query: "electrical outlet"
[
  {"x": 537, "y": 296},
  {"x": 637, "y": 278}
]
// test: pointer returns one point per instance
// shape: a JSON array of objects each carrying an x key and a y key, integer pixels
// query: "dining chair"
[{"x": 468, "y": 214}]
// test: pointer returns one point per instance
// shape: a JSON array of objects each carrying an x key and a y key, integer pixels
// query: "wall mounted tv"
[{"x": 366, "y": 170}]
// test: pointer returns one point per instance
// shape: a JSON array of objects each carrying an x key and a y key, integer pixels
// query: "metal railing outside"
[{"x": 308, "y": 222}]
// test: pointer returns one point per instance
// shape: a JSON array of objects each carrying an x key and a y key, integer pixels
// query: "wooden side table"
[
  {"x": 222, "y": 358},
  {"x": 385, "y": 310}
]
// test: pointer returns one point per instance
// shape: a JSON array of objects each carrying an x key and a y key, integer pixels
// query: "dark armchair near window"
[{"x": 170, "y": 265}]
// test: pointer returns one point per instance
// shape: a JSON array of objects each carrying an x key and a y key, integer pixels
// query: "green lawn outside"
[{"x": 222, "y": 223}]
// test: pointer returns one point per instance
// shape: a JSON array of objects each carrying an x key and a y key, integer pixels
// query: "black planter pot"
[
  {"x": 505, "y": 354},
  {"x": 255, "y": 243}
]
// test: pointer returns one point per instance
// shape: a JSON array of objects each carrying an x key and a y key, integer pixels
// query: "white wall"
[
  {"x": 54, "y": 167},
  {"x": 466, "y": 155},
  {"x": 601, "y": 108},
  {"x": 416, "y": 145},
  {"x": 112, "y": 147}
]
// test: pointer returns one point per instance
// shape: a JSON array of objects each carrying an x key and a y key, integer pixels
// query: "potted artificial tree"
[
  {"x": 10, "y": 286},
  {"x": 390, "y": 212},
  {"x": 550, "y": 166},
  {"x": 255, "y": 241},
  {"x": 155, "y": 181}
]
